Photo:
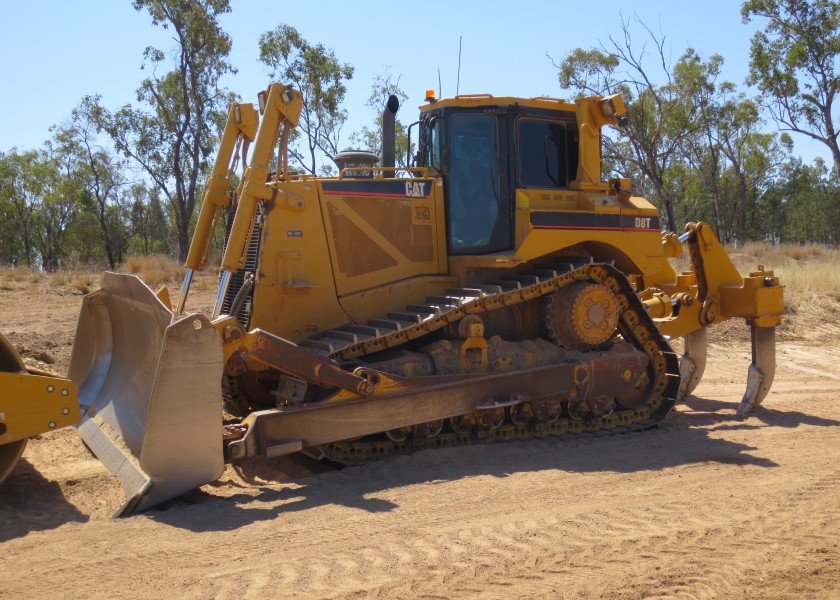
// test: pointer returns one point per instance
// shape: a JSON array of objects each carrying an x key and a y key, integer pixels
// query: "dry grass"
[
  {"x": 76, "y": 280},
  {"x": 20, "y": 275},
  {"x": 807, "y": 272},
  {"x": 155, "y": 270},
  {"x": 810, "y": 273}
]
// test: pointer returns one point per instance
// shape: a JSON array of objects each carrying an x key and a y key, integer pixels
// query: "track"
[{"x": 416, "y": 321}]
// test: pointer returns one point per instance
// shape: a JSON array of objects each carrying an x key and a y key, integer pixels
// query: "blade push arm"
[
  {"x": 240, "y": 130},
  {"x": 281, "y": 108}
]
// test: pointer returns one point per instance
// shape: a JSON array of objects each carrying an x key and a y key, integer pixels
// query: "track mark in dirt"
[{"x": 725, "y": 542}]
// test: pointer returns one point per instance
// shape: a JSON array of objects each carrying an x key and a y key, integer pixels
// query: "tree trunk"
[{"x": 741, "y": 209}]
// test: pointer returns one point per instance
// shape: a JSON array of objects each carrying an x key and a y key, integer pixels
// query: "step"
[
  {"x": 410, "y": 317},
  {"x": 326, "y": 345},
  {"x": 391, "y": 324},
  {"x": 365, "y": 331}
]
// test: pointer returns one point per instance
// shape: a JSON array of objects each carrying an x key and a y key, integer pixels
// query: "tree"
[
  {"x": 172, "y": 138},
  {"x": 370, "y": 139},
  {"x": 101, "y": 175},
  {"x": 662, "y": 118},
  {"x": 806, "y": 202},
  {"x": 60, "y": 205},
  {"x": 735, "y": 135},
  {"x": 146, "y": 217},
  {"x": 22, "y": 176},
  {"x": 794, "y": 62},
  {"x": 320, "y": 78}
]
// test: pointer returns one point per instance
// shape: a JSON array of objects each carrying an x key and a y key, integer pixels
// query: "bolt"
[
  {"x": 234, "y": 449},
  {"x": 65, "y": 411},
  {"x": 50, "y": 389},
  {"x": 196, "y": 324},
  {"x": 52, "y": 424},
  {"x": 65, "y": 391},
  {"x": 232, "y": 333}
]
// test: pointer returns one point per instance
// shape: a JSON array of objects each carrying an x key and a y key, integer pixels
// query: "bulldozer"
[
  {"x": 33, "y": 401},
  {"x": 494, "y": 289}
]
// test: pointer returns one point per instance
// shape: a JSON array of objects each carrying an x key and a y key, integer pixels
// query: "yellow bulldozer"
[{"x": 495, "y": 289}]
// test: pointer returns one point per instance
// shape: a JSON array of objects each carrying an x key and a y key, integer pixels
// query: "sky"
[{"x": 55, "y": 52}]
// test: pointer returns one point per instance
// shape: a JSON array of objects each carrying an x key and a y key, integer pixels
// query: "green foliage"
[
  {"x": 101, "y": 175},
  {"x": 662, "y": 117},
  {"x": 23, "y": 186},
  {"x": 804, "y": 205},
  {"x": 147, "y": 220},
  {"x": 794, "y": 62},
  {"x": 320, "y": 78},
  {"x": 172, "y": 136}
]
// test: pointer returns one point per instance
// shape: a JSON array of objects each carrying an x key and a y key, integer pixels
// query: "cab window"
[
  {"x": 431, "y": 146},
  {"x": 547, "y": 152}
]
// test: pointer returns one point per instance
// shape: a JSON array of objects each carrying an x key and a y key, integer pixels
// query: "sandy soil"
[{"x": 707, "y": 506}]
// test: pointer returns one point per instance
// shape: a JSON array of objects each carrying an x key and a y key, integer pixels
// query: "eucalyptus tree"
[
  {"x": 101, "y": 175},
  {"x": 170, "y": 134},
  {"x": 794, "y": 61},
  {"x": 666, "y": 105},
  {"x": 22, "y": 177},
  {"x": 146, "y": 217},
  {"x": 321, "y": 79},
  {"x": 803, "y": 204},
  {"x": 60, "y": 205}
]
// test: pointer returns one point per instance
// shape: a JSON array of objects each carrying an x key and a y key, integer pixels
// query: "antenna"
[
  {"x": 440, "y": 85},
  {"x": 458, "y": 84}
]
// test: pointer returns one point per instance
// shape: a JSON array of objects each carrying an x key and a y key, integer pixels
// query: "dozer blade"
[
  {"x": 150, "y": 389},
  {"x": 762, "y": 370}
]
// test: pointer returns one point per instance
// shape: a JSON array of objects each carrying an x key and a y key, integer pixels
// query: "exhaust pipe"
[{"x": 389, "y": 135}]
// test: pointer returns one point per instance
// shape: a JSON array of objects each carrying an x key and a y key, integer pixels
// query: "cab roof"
[{"x": 480, "y": 100}]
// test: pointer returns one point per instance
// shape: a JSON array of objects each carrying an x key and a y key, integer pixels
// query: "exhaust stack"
[{"x": 389, "y": 136}]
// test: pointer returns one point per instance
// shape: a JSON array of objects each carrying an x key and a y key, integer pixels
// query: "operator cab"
[{"x": 486, "y": 148}]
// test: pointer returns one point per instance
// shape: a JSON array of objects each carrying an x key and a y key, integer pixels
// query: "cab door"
[{"x": 476, "y": 182}]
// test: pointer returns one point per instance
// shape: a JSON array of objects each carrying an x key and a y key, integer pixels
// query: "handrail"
[{"x": 379, "y": 172}]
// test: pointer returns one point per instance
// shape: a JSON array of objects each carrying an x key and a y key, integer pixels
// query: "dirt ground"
[{"x": 706, "y": 506}]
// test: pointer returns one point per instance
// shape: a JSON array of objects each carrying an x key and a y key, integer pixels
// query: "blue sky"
[{"x": 54, "y": 52}]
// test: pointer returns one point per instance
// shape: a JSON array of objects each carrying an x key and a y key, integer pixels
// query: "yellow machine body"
[{"x": 30, "y": 404}]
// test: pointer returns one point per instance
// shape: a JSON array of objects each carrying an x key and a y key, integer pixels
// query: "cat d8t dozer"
[
  {"x": 32, "y": 401},
  {"x": 496, "y": 289}
]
